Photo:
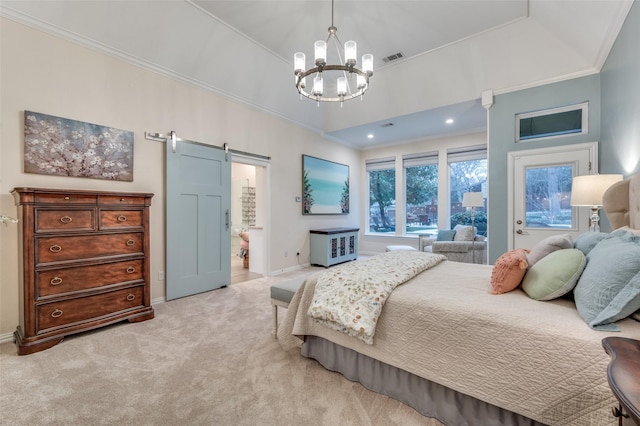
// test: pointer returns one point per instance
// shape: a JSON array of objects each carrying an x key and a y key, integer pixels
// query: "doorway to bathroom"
[{"x": 249, "y": 186}]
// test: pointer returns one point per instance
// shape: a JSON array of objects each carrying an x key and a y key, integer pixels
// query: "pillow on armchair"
[
  {"x": 446, "y": 235},
  {"x": 464, "y": 233}
]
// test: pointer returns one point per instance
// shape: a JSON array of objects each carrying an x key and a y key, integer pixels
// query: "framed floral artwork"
[{"x": 63, "y": 147}]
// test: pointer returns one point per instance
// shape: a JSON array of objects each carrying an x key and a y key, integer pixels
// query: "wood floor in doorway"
[{"x": 239, "y": 273}]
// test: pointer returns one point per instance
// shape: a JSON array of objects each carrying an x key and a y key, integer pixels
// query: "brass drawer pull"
[
  {"x": 122, "y": 218},
  {"x": 130, "y": 297},
  {"x": 122, "y": 200},
  {"x": 131, "y": 270},
  {"x": 57, "y": 313},
  {"x": 56, "y": 281},
  {"x": 55, "y": 248},
  {"x": 130, "y": 242},
  {"x": 67, "y": 198},
  {"x": 66, "y": 219}
]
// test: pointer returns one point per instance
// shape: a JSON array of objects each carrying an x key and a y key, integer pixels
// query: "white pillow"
[
  {"x": 548, "y": 245},
  {"x": 464, "y": 233}
]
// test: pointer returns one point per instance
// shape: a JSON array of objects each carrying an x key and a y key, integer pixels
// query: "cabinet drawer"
[
  {"x": 65, "y": 312},
  {"x": 120, "y": 199},
  {"x": 66, "y": 280},
  {"x": 64, "y": 248},
  {"x": 46, "y": 198},
  {"x": 120, "y": 219},
  {"x": 64, "y": 220}
]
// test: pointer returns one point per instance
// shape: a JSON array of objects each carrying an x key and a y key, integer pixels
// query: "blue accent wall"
[
  {"x": 620, "y": 84},
  {"x": 614, "y": 121},
  {"x": 501, "y": 136}
]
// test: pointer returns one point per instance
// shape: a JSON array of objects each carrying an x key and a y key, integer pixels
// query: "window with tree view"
[
  {"x": 382, "y": 195},
  {"x": 467, "y": 173},
  {"x": 548, "y": 196},
  {"x": 421, "y": 190}
]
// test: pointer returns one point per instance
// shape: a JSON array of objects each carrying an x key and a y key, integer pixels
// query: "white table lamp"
[{"x": 588, "y": 191}]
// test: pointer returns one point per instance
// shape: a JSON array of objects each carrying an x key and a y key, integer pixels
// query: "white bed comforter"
[
  {"x": 538, "y": 359},
  {"x": 349, "y": 297}
]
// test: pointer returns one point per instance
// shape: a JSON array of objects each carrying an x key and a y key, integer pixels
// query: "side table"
[{"x": 623, "y": 374}]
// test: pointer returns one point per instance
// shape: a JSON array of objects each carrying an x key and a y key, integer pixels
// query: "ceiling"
[{"x": 453, "y": 51}]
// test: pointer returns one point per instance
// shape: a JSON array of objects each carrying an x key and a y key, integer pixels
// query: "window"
[
  {"x": 552, "y": 122},
  {"x": 467, "y": 173},
  {"x": 382, "y": 195},
  {"x": 421, "y": 191},
  {"x": 547, "y": 196}
]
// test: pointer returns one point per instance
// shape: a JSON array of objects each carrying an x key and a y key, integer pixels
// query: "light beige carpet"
[{"x": 207, "y": 359}]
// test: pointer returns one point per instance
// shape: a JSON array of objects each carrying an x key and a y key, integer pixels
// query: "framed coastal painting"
[
  {"x": 63, "y": 147},
  {"x": 325, "y": 186}
]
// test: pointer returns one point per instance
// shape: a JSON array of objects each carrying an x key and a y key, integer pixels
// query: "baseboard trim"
[
  {"x": 289, "y": 269},
  {"x": 6, "y": 338}
]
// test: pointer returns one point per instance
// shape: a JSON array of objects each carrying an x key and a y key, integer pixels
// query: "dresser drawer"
[
  {"x": 120, "y": 199},
  {"x": 54, "y": 198},
  {"x": 65, "y": 220},
  {"x": 66, "y": 312},
  {"x": 120, "y": 219},
  {"x": 66, "y": 280},
  {"x": 64, "y": 248}
]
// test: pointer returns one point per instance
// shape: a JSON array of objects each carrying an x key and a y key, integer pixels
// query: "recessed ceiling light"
[
  {"x": 370, "y": 136},
  {"x": 449, "y": 121}
]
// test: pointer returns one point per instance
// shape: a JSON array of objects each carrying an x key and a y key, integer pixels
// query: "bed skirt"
[{"x": 427, "y": 397}]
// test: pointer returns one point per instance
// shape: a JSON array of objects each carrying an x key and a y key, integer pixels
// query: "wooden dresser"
[{"x": 84, "y": 264}]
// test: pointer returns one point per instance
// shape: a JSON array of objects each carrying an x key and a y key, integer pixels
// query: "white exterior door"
[{"x": 540, "y": 192}]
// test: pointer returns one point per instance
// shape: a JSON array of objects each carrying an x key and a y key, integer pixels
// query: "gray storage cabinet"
[{"x": 333, "y": 245}]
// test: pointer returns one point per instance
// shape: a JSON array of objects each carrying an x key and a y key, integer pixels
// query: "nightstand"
[{"x": 624, "y": 376}]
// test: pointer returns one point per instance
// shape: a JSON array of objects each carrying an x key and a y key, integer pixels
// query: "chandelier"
[{"x": 351, "y": 81}]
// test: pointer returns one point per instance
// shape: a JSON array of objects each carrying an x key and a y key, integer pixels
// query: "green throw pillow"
[
  {"x": 446, "y": 235},
  {"x": 554, "y": 275},
  {"x": 609, "y": 288}
]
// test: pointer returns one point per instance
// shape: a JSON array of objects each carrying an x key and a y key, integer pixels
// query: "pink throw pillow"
[{"x": 508, "y": 271}]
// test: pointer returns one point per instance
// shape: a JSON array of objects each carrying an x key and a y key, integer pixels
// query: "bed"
[{"x": 447, "y": 347}]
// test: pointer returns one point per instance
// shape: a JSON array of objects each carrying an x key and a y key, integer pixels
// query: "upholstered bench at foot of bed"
[{"x": 281, "y": 295}]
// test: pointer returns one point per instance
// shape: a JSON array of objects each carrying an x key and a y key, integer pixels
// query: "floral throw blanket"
[{"x": 349, "y": 298}]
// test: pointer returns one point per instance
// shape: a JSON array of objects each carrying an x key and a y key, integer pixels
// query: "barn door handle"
[{"x": 226, "y": 219}]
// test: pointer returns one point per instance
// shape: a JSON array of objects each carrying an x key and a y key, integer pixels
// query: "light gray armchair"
[{"x": 468, "y": 251}]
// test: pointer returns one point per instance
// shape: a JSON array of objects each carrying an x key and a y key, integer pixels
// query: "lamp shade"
[
  {"x": 472, "y": 199},
  {"x": 588, "y": 190}
]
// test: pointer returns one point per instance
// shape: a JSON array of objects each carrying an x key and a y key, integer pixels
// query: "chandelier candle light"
[
  {"x": 588, "y": 191},
  {"x": 345, "y": 87}
]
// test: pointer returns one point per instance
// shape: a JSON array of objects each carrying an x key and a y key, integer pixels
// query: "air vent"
[
  {"x": 393, "y": 57},
  {"x": 386, "y": 125}
]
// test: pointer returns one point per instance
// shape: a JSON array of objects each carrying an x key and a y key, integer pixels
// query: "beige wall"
[{"x": 46, "y": 74}]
